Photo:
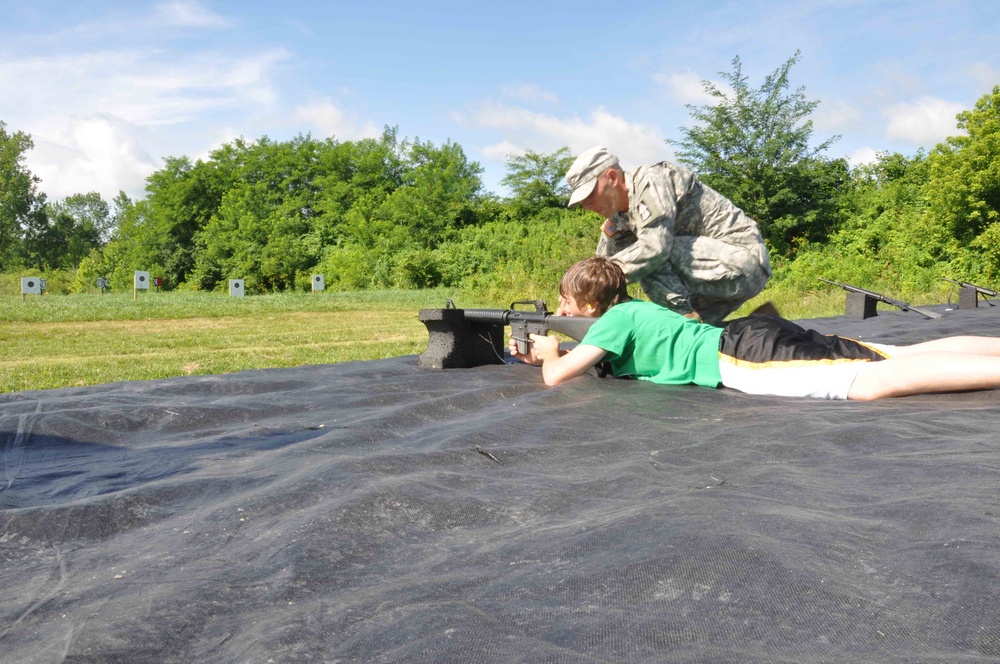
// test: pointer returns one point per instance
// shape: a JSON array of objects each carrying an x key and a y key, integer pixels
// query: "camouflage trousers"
[{"x": 718, "y": 277}]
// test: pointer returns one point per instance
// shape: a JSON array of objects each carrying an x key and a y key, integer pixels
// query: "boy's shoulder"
[
  {"x": 637, "y": 312},
  {"x": 643, "y": 306},
  {"x": 643, "y": 311}
]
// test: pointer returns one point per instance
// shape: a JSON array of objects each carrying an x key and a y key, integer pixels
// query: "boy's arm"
[{"x": 559, "y": 367}]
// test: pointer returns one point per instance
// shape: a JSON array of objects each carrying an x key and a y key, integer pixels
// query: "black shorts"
[{"x": 763, "y": 354}]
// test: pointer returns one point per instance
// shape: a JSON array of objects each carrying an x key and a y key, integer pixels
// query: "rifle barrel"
[
  {"x": 899, "y": 304},
  {"x": 574, "y": 327},
  {"x": 980, "y": 289},
  {"x": 499, "y": 316}
]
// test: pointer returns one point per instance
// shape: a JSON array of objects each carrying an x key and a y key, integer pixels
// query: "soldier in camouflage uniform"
[{"x": 690, "y": 248}]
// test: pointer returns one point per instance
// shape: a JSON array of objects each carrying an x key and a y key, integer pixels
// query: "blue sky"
[{"x": 107, "y": 89}]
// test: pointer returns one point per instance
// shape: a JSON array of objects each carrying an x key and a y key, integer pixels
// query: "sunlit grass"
[
  {"x": 76, "y": 340},
  {"x": 151, "y": 305}
]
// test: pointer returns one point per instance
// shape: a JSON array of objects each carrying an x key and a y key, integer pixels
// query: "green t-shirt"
[{"x": 653, "y": 343}]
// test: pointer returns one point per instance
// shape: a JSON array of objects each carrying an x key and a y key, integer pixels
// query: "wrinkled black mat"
[{"x": 379, "y": 512}]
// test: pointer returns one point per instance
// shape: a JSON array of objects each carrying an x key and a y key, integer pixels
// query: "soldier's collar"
[{"x": 630, "y": 191}]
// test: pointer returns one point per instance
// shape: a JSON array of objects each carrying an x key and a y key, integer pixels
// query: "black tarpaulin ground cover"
[{"x": 380, "y": 512}]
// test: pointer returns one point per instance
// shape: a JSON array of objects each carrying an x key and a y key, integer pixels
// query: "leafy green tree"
[
  {"x": 251, "y": 238},
  {"x": 180, "y": 200},
  {"x": 964, "y": 186},
  {"x": 21, "y": 204},
  {"x": 353, "y": 179},
  {"x": 963, "y": 193},
  {"x": 754, "y": 146},
  {"x": 66, "y": 233},
  {"x": 519, "y": 256},
  {"x": 809, "y": 204},
  {"x": 92, "y": 211},
  {"x": 439, "y": 190},
  {"x": 537, "y": 180},
  {"x": 887, "y": 237},
  {"x": 272, "y": 211}
]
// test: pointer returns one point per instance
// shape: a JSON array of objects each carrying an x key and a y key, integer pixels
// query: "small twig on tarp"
[
  {"x": 487, "y": 454},
  {"x": 712, "y": 486}
]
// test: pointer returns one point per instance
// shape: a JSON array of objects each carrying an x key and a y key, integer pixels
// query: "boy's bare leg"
[
  {"x": 926, "y": 372},
  {"x": 970, "y": 345}
]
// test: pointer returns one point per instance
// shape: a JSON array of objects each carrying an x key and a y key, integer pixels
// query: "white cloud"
[
  {"x": 529, "y": 93},
  {"x": 122, "y": 26},
  {"x": 899, "y": 80},
  {"x": 862, "y": 156},
  {"x": 137, "y": 84},
  {"x": 634, "y": 143},
  {"x": 189, "y": 15},
  {"x": 836, "y": 115},
  {"x": 215, "y": 139},
  {"x": 984, "y": 74},
  {"x": 94, "y": 153},
  {"x": 330, "y": 120},
  {"x": 102, "y": 120},
  {"x": 924, "y": 122},
  {"x": 501, "y": 151},
  {"x": 688, "y": 88}
]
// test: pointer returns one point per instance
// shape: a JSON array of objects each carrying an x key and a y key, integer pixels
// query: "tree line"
[{"x": 391, "y": 212}]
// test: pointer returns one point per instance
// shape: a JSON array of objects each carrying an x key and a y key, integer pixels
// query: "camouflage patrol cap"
[{"x": 582, "y": 175}]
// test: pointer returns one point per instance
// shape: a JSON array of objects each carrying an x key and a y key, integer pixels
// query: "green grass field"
[{"x": 73, "y": 340}]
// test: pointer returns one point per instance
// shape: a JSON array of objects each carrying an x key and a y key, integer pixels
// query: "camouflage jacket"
[{"x": 666, "y": 202}]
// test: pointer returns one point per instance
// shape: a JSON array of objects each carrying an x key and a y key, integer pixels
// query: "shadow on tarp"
[{"x": 376, "y": 511}]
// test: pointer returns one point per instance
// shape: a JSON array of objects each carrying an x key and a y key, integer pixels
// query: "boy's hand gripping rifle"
[
  {"x": 463, "y": 338},
  {"x": 871, "y": 297}
]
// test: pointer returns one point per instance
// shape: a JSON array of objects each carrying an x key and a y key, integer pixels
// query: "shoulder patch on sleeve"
[{"x": 644, "y": 212}]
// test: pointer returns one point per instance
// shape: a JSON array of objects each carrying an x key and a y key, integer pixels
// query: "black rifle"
[
  {"x": 524, "y": 322},
  {"x": 979, "y": 289},
  {"x": 884, "y": 298},
  {"x": 463, "y": 338}
]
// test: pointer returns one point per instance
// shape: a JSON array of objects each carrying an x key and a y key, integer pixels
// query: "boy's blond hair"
[{"x": 596, "y": 281}]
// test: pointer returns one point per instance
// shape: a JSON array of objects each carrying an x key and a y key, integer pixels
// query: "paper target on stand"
[
  {"x": 236, "y": 288},
  {"x": 141, "y": 280},
  {"x": 318, "y": 283},
  {"x": 31, "y": 286}
]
